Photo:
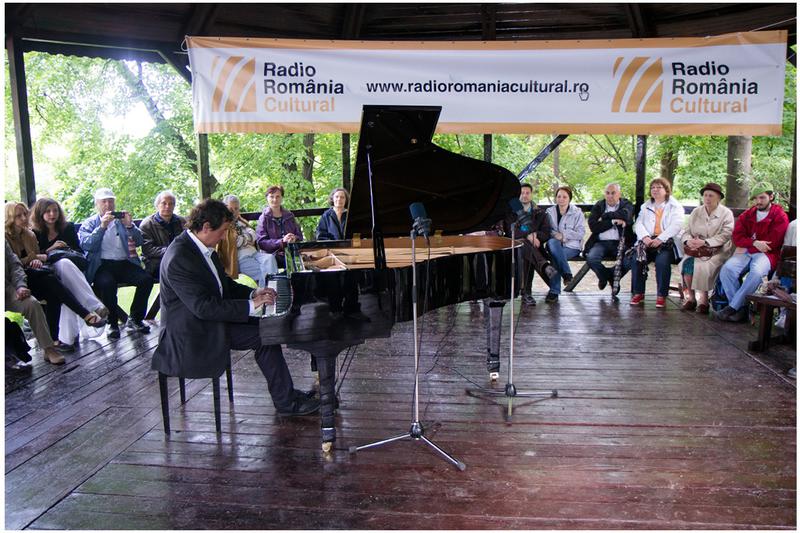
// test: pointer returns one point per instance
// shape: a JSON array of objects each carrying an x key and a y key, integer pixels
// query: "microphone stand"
[
  {"x": 510, "y": 391},
  {"x": 417, "y": 431}
]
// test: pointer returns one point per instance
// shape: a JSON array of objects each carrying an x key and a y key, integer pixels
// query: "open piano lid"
[{"x": 460, "y": 194}]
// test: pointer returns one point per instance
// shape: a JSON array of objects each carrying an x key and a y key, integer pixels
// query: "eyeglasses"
[{"x": 656, "y": 187}]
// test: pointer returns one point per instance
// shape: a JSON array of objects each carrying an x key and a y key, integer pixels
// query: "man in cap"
[
  {"x": 109, "y": 239},
  {"x": 758, "y": 235}
]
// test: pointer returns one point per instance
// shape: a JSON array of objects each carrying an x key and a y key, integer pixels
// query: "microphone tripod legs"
[{"x": 417, "y": 432}]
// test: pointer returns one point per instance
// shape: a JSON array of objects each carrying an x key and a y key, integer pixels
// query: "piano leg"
[
  {"x": 493, "y": 314},
  {"x": 326, "y": 366}
]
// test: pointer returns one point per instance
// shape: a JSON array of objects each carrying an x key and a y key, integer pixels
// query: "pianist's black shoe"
[
  {"x": 137, "y": 325},
  {"x": 301, "y": 407},
  {"x": 302, "y": 394}
]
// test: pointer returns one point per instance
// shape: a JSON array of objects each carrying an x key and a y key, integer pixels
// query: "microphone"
[
  {"x": 523, "y": 217},
  {"x": 422, "y": 224}
]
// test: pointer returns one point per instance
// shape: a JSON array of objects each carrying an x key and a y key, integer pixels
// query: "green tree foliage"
[{"x": 78, "y": 104}]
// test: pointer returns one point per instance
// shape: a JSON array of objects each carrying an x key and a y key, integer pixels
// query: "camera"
[{"x": 118, "y": 214}]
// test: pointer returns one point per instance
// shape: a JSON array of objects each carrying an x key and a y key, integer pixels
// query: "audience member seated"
[
  {"x": 660, "y": 221},
  {"x": 566, "y": 237},
  {"x": 41, "y": 278},
  {"x": 110, "y": 239},
  {"x": 277, "y": 226},
  {"x": 706, "y": 244},
  {"x": 20, "y": 300},
  {"x": 609, "y": 220},
  {"x": 158, "y": 230},
  {"x": 535, "y": 235},
  {"x": 58, "y": 240},
  {"x": 238, "y": 251},
  {"x": 757, "y": 235},
  {"x": 333, "y": 221}
]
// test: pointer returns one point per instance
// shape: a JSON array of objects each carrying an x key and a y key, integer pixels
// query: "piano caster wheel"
[
  {"x": 494, "y": 376},
  {"x": 327, "y": 447}
]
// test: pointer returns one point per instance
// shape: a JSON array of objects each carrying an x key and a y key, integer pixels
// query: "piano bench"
[{"x": 162, "y": 385}]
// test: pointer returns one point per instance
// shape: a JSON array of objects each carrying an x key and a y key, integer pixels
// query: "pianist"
[{"x": 204, "y": 313}]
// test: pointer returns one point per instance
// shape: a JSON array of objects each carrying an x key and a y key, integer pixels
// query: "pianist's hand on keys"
[{"x": 264, "y": 296}]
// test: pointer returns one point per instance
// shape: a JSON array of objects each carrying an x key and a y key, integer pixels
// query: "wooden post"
[
  {"x": 346, "y": 161},
  {"x": 641, "y": 167},
  {"x": 737, "y": 182},
  {"x": 793, "y": 176},
  {"x": 487, "y": 147},
  {"x": 22, "y": 123},
  {"x": 206, "y": 186}
]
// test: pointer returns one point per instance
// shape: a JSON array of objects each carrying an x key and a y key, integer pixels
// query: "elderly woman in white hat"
[{"x": 109, "y": 239}]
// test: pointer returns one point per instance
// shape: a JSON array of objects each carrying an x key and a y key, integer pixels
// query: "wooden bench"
[{"x": 766, "y": 304}]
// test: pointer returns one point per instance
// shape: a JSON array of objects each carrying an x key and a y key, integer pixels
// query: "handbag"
[
  {"x": 54, "y": 256},
  {"x": 703, "y": 251}
]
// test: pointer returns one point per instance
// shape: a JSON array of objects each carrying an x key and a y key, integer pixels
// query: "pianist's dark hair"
[
  {"x": 212, "y": 211},
  {"x": 528, "y": 185}
]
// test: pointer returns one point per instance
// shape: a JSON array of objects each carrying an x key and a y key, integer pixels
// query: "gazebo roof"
[{"x": 154, "y": 32}]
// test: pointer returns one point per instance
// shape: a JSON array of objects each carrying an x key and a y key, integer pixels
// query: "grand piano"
[{"x": 337, "y": 294}]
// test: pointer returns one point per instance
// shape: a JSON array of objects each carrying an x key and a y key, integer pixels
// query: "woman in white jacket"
[
  {"x": 566, "y": 236},
  {"x": 659, "y": 222}
]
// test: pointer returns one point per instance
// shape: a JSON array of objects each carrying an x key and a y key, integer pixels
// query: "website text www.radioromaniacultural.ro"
[{"x": 436, "y": 86}]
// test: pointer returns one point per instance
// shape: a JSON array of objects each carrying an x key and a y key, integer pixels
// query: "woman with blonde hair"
[{"x": 43, "y": 282}]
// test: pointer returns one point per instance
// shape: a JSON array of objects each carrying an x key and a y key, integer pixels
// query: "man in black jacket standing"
[
  {"x": 204, "y": 314},
  {"x": 607, "y": 219}
]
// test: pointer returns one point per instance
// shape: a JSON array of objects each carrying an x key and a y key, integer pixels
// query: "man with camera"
[{"x": 110, "y": 239}]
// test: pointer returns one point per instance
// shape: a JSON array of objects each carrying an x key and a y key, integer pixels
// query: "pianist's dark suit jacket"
[{"x": 194, "y": 340}]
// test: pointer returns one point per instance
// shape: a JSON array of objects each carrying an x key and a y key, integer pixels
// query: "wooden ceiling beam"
[
  {"x": 201, "y": 21},
  {"x": 353, "y": 20},
  {"x": 637, "y": 20}
]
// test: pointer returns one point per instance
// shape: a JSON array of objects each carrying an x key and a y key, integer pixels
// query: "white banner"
[{"x": 724, "y": 85}]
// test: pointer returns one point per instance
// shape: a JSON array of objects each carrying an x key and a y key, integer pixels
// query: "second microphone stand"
[
  {"x": 417, "y": 431},
  {"x": 510, "y": 391}
]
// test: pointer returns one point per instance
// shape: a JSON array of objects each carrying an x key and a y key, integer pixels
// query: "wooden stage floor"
[{"x": 663, "y": 420}]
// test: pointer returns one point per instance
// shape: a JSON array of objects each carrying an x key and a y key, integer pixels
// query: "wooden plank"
[{"x": 39, "y": 483}]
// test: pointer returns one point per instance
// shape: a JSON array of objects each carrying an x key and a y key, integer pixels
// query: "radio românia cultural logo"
[
  {"x": 292, "y": 87},
  {"x": 708, "y": 87},
  {"x": 235, "y": 84}
]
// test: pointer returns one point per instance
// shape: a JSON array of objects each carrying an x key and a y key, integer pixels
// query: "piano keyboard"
[{"x": 281, "y": 285}]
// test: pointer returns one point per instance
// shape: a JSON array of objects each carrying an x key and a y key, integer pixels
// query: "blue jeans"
[
  {"x": 663, "y": 259},
  {"x": 599, "y": 251},
  {"x": 257, "y": 266},
  {"x": 729, "y": 276},
  {"x": 560, "y": 254}
]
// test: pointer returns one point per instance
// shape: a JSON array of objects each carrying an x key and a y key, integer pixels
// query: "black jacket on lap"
[
  {"x": 69, "y": 235},
  {"x": 600, "y": 221}
]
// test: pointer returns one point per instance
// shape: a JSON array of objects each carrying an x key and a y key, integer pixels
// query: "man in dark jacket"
[
  {"x": 536, "y": 233},
  {"x": 159, "y": 230},
  {"x": 607, "y": 219},
  {"x": 204, "y": 314}
]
